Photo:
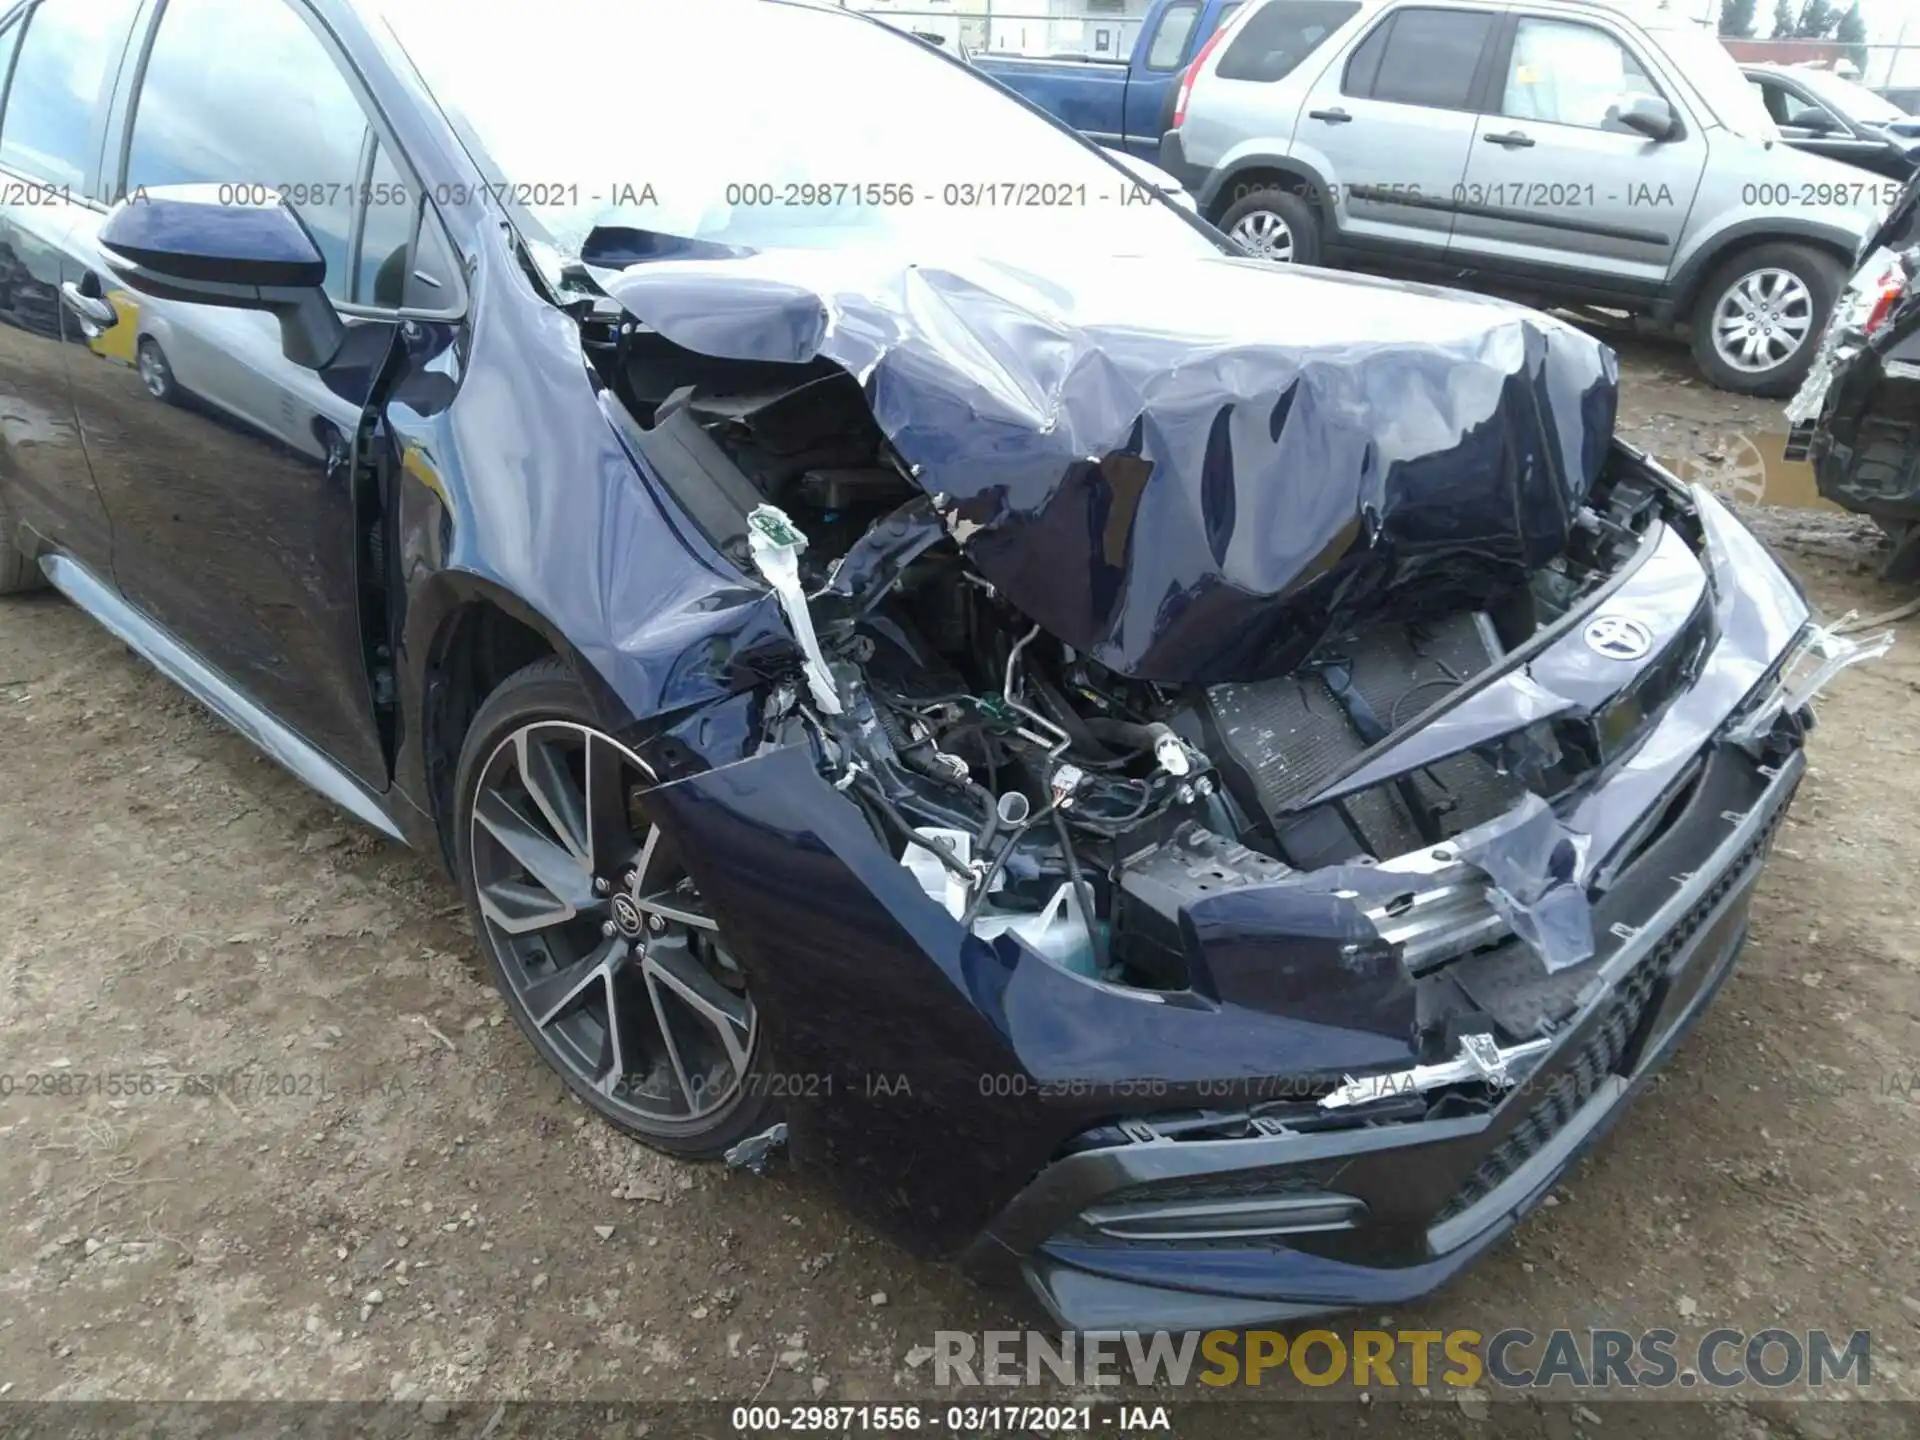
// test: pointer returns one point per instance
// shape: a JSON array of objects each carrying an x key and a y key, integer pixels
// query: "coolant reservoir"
[{"x": 1058, "y": 932}]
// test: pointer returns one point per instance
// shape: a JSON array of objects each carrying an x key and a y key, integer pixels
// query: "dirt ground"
[{"x": 397, "y": 1201}]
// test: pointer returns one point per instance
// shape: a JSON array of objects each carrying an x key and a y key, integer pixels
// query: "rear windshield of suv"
[{"x": 1277, "y": 37}]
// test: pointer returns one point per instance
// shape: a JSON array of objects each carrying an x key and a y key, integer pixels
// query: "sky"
[{"x": 1883, "y": 17}]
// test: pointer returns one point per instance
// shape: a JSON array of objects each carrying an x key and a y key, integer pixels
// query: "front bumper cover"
[{"x": 1436, "y": 1193}]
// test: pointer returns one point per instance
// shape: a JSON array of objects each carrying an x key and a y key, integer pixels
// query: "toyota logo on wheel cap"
[
  {"x": 1618, "y": 638},
  {"x": 627, "y": 917}
]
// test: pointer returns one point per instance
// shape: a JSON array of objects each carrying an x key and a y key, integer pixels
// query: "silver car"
[{"x": 1569, "y": 153}]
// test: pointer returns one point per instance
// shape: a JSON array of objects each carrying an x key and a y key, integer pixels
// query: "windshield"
[
  {"x": 1854, "y": 101},
  {"x": 1704, "y": 61},
  {"x": 759, "y": 124}
]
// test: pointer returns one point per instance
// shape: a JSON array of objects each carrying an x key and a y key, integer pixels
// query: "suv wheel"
[
  {"x": 17, "y": 572},
  {"x": 609, "y": 961},
  {"x": 155, "y": 373},
  {"x": 1272, "y": 224},
  {"x": 1758, "y": 320}
]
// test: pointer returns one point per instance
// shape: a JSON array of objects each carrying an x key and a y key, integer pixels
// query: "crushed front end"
[
  {"x": 1284, "y": 1196},
  {"x": 1232, "y": 877},
  {"x": 1856, "y": 417}
]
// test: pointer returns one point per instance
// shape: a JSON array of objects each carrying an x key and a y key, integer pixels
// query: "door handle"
[
  {"x": 92, "y": 311},
  {"x": 1513, "y": 140},
  {"x": 1332, "y": 117}
]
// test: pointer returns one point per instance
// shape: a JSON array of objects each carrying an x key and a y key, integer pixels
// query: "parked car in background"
[
  {"x": 1569, "y": 153},
  {"x": 1907, "y": 100},
  {"x": 1125, "y": 104},
  {"x": 1826, "y": 114},
  {"x": 1857, "y": 417}
]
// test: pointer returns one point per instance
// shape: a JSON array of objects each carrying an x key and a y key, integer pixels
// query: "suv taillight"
[
  {"x": 1891, "y": 286},
  {"x": 1193, "y": 72}
]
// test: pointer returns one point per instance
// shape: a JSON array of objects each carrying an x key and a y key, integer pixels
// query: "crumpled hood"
[{"x": 1192, "y": 469}]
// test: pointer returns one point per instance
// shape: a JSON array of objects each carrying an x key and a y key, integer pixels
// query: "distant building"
[{"x": 1098, "y": 29}]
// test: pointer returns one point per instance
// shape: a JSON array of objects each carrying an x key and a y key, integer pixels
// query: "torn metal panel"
[
  {"x": 1537, "y": 866},
  {"x": 1569, "y": 677},
  {"x": 1192, "y": 469}
]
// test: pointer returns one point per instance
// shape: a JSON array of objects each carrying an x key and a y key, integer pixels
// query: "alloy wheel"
[
  {"x": 1762, "y": 319},
  {"x": 602, "y": 940},
  {"x": 153, "y": 370},
  {"x": 1264, "y": 234}
]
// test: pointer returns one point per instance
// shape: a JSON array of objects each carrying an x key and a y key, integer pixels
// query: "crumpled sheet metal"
[
  {"x": 1193, "y": 469},
  {"x": 1537, "y": 866}
]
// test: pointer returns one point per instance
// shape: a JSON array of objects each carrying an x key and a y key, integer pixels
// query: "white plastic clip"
[{"x": 776, "y": 543}]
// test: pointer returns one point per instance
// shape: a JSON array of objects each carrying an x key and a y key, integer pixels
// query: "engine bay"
[{"x": 1031, "y": 790}]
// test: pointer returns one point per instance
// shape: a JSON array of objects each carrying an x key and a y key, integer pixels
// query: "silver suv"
[{"x": 1568, "y": 153}]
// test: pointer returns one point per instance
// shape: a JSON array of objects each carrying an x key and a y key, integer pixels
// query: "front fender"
[{"x": 929, "y": 1072}]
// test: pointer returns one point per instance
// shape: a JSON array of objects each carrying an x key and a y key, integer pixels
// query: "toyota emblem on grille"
[{"x": 1618, "y": 638}]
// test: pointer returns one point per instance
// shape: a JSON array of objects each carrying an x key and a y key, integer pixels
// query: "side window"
[
  {"x": 404, "y": 262},
  {"x": 72, "y": 47},
  {"x": 1773, "y": 97},
  {"x": 386, "y": 242},
  {"x": 241, "y": 92},
  {"x": 1566, "y": 73},
  {"x": 1363, "y": 66},
  {"x": 1802, "y": 113},
  {"x": 1423, "y": 57},
  {"x": 1170, "y": 40},
  {"x": 1278, "y": 36}
]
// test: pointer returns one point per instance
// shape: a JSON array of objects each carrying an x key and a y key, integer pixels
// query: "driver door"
[{"x": 228, "y": 468}]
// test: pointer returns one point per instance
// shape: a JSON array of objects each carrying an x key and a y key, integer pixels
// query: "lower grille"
[
  {"x": 1604, "y": 1051},
  {"x": 1569, "y": 1090}
]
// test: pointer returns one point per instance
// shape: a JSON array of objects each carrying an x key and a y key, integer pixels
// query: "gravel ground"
[{"x": 402, "y": 1203}]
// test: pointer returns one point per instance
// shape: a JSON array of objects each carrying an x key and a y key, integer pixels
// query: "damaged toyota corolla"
[{"x": 1202, "y": 785}]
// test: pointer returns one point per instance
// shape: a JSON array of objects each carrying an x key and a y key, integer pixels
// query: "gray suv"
[{"x": 1567, "y": 153}]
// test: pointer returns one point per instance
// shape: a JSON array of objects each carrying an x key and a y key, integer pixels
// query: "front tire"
[
  {"x": 1273, "y": 224},
  {"x": 1757, "y": 324},
  {"x": 156, "y": 372},
  {"x": 610, "y": 963}
]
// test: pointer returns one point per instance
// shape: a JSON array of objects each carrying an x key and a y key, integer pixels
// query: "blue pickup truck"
[{"x": 1124, "y": 105}]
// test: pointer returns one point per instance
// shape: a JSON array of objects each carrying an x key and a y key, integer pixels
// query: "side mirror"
[
  {"x": 1650, "y": 116},
  {"x": 184, "y": 242}
]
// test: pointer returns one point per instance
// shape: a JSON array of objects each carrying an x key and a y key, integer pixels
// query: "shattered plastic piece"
[
  {"x": 1844, "y": 337},
  {"x": 1479, "y": 1059},
  {"x": 1831, "y": 653},
  {"x": 756, "y": 1152},
  {"x": 1538, "y": 867},
  {"x": 777, "y": 542}
]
